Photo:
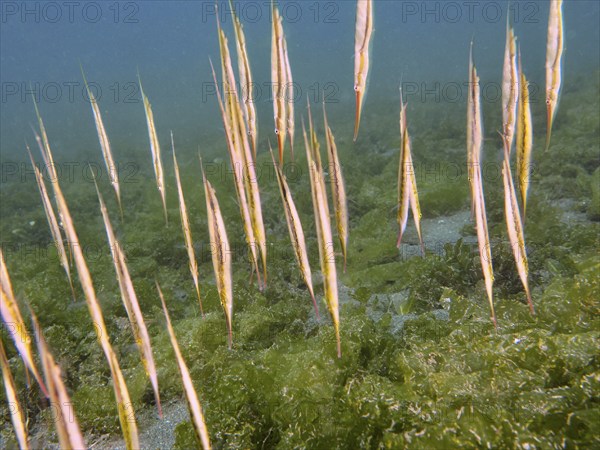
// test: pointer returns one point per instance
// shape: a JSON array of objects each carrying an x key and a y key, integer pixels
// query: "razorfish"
[
  {"x": 554, "y": 50},
  {"x": 362, "y": 40}
]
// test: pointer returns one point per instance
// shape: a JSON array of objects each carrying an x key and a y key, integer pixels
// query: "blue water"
[{"x": 423, "y": 44}]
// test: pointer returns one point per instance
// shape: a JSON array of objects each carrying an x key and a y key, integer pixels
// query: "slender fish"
[
  {"x": 510, "y": 85},
  {"x": 67, "y": 425},
  {"x": 44, "y": 146},
  {"x": 295, "y": 229},
  {"x": 16, "y": 411},
  {"x": 191, "y": 396},
  {"x": 185, "y": 225},
  {"x": 279, "y": 80},
  {"x": 289, "y": 98},
  {"x": 362, "y": 40},
  {"x": 408, "y": 194},
  {"x": 554, "y": 50},
  {"x": 130, "y": 301},
  {"x": 338, "y": 188},
  {"x": 515, "y": 225},
  {"x": 475, "y": 142},
  {"x": 237, "y": 161},
  {"x": 109, "y": 161},
  {"x": 524, "y": 140},
  {"x": 155, "y": 150},
  {"x": 246, "y": 82},
  {"x": 323, "y": 225},
  {"x": 11, "y": 316},
  {"x": 221, "y": 254},
  {"x": 248, "y": 167},
  {"x": 51, "y": 217}
]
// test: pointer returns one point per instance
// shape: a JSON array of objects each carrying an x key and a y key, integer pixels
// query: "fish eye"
[
  {"x": 276, "y": 131},
  {"x": 355, "y": 88}
]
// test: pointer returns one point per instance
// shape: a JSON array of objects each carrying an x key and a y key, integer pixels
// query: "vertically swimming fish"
[
  {"x": 515, "y": 225},
  {"x": 237, "y": 162},
  {"x": 323, "y": 225},
  {"x": 240, "y": 140},
  {"x": 191, "y": 395},
  {"x": 109, "y": 161},
  {"x": 130, "y": 301},
  {"x": 362, "y": 40},
  {"x": 279, "y": 79},
  {"x": 124, "y": 405},
  {"x": 408, "y": 194},
  {"x": 13, "y": 321},
  {"x": 475, "y": 142},
  {"x": 16, "y": 411},
  {"x": 155, "y": 150},
  {"x": 44, "y": 146},
  {"x": 554, "y": 50},
  {"x": 338, "y": 188},
  {"x": 289, "y": 98},
  {"x": 185, "y": 225},
  {"x": 524, "y": 140},
  {"x": 51, "y": 217},
  {"x": 510, "y": 85},
  {"x": 295, "y": 229},
  {"x": 65, "y": 421},
  {"x": 246, "y": 83},
  {"x": 221, "y": 254}
]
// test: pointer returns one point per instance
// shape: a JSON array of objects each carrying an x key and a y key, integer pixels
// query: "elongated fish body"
[
  {"x": 17, "y": 417},
  {"x": 403, "y": 179},
  {"x": 408, "y": 194},
  {"x": 109, "y": 160},
  {"x": 221, "y": 254},
  {"x": 475, "y": 142},
  {"x": 155, "y": 151},
  {"x": 323, "y": 226},
  {"x": 124, "y": 404},
  {"x": 237, "y": 161},
  {"x": 11, "y": 316},
  {"x": 279, "y": 80},
  {"x": 362, "y": 40},
  {"x": 554, "y": 50},
  {"x": 515, "y": 229},
  {"x": 246, "y": 83},
  {"x": 289, "y": 98},
  {"x": 338, "y": 189},
  {"x": 130, "y": 302},
  {"x": 191, "y": 395},
  {"x": 510, "y": 86},
  {"x": 67, "y": 425},
  {"x": 185, "y": 226},
  {"x": 524, "y": 141},
  {"x": 243, "y": 151},
  {"x": 295, "y": 230},
  {"x": 51, "y": 218}
]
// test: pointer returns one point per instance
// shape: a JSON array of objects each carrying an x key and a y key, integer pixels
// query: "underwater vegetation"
[{"x": 407, "y": 356}]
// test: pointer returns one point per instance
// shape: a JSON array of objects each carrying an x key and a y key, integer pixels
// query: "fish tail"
[
  {"x": 72, "y": 287},
  {"x": 200, "y": 300},
  {"x": 314, "y": 300},
  {"x": 357, "y": 115},
  {"x": 339, "y": 342},
  {"x": 549, "y": 126},
  {"x": 530, "y": 302},
  {"x": 229, "y": 332}
]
